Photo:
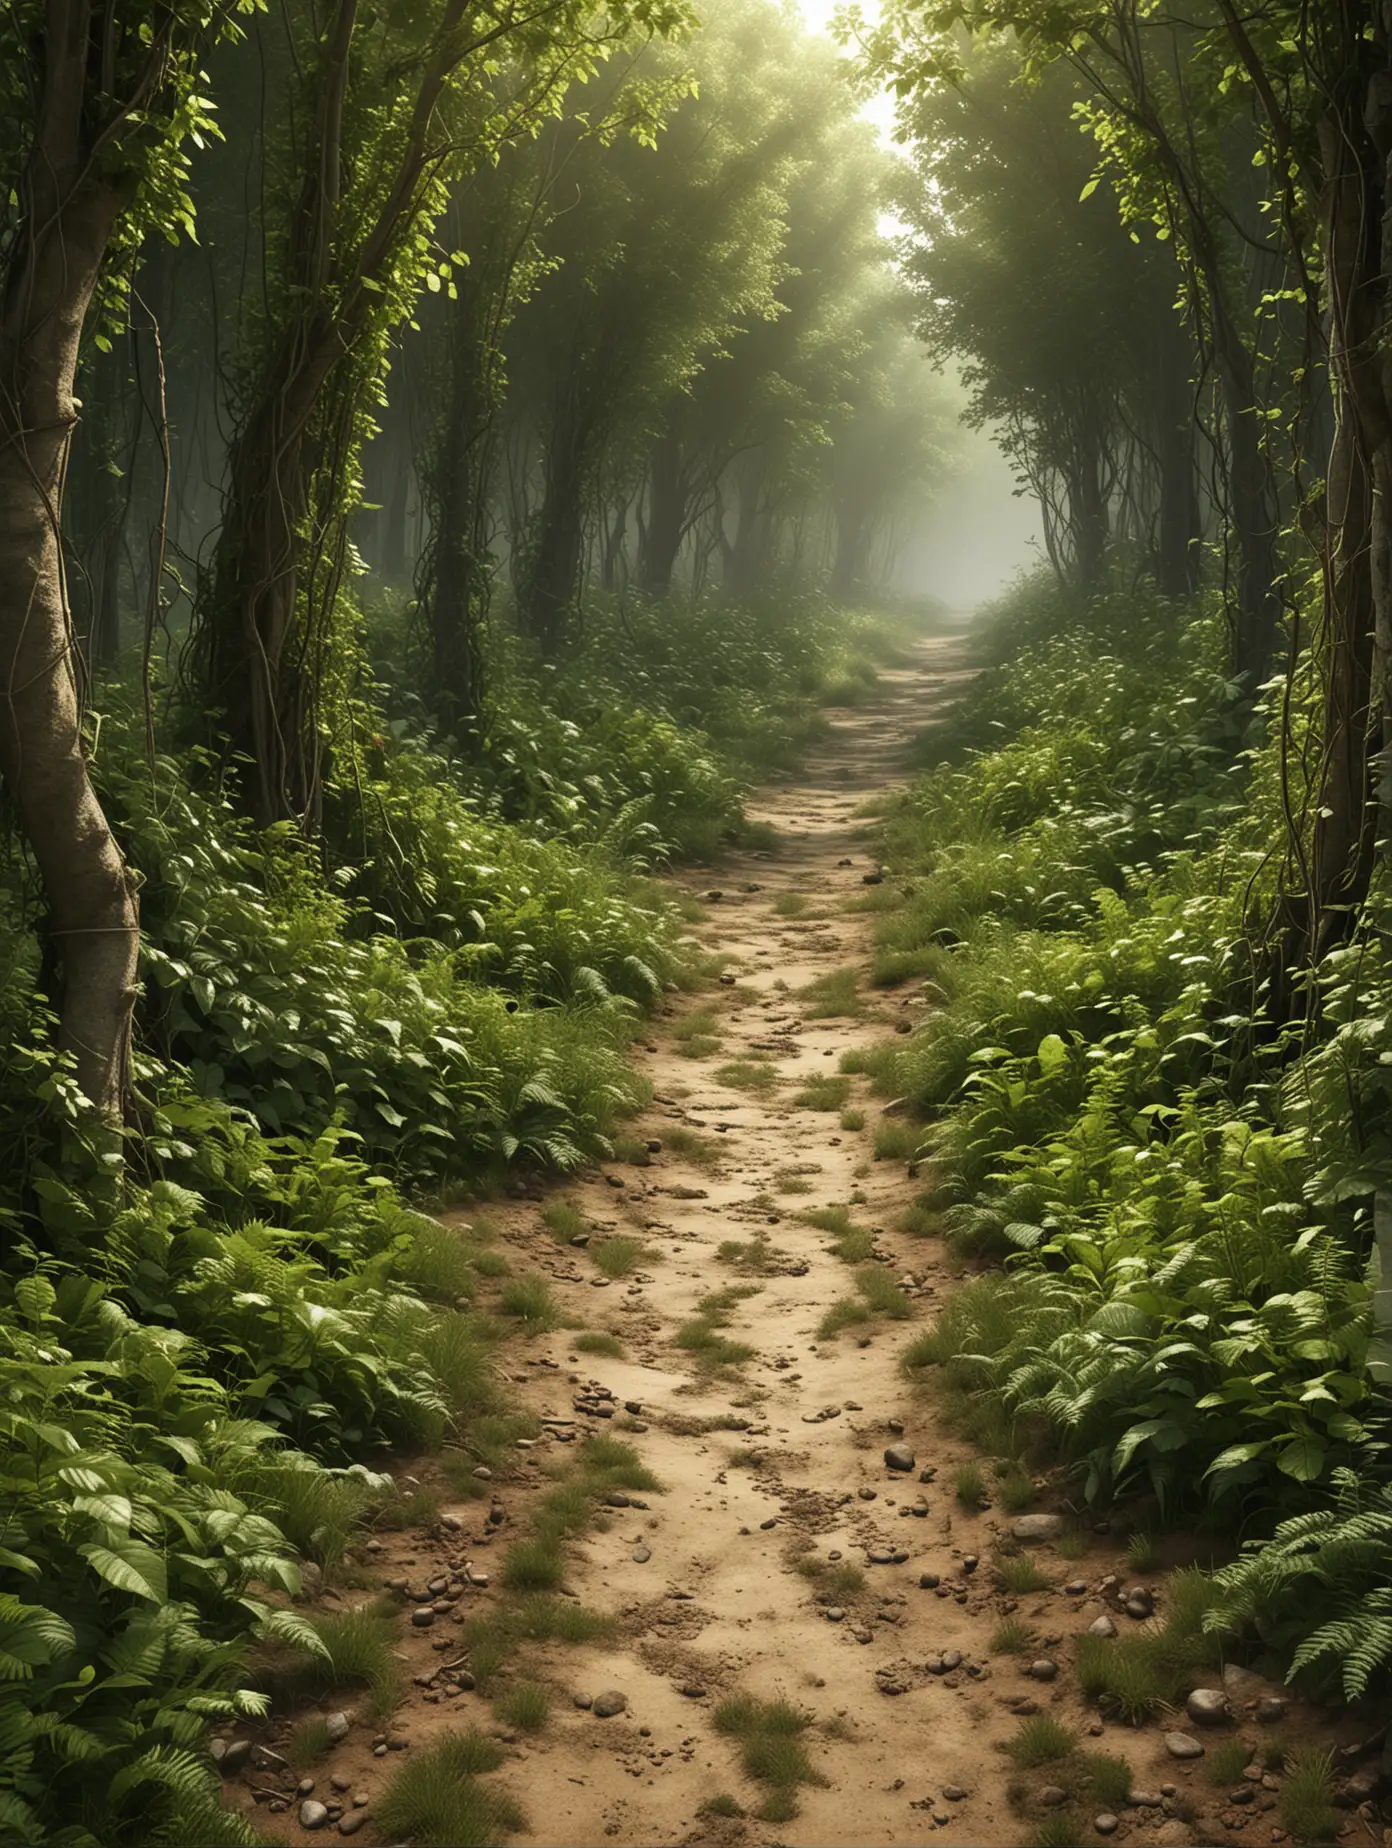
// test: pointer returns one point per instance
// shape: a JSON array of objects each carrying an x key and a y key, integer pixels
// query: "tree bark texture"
[{"x": 69, "y": 217}]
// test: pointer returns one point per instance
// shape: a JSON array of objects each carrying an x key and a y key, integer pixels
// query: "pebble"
[
  {"x": 313, "y": 1814},
  {"x": 1271, "y": 1709},
  {"x": 1034, "y": 1529},
  {"x": 641, "y": 1555},
  {"x": 423, "y": 1617},
  {"x": 340, "y": 1781},
  {"x": 1140, "y": 1604},
  {"x": 1105, "y": 1824},
  {"x": 899, "y": 1456},
  {"x": 954, "y": 1793},
  {"x": 351, "y": 1823},
  {"x": 608, "y": 1704},
  {"x": 1181, "y": 1745},
  {"x": 836, "y": 1614},
  {"x": 1208, "y": 1707},
  {"x": 1102, "y": 1626},
  {"x": 929, "y": 1581},
  {"x": 336, "y": 1726},
  {"x": 483, "y": 1473},
  {"x": 305, "y": 1787},
  {"x": 1043, "y": 1669},
  {"x": 694, "y": 1691},
  {"x": 1052, "y": 1795},
  {"x": 584, "y": 1700},
  {"x": 1075, "y": 1588}
]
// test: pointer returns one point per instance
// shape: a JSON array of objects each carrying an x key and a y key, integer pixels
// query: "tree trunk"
[
  {"x": 259, "y": 679},
  {"x": 615, "y": 534},
  {"x": 552, "y": 588},
  {"x": 848, "y": 569},
  {"x": 1357, "y": 640},
  {"x": 1180, "y": 526},
  {"x": 51, "y": 276},
  {"x": 667, "y": 508}
]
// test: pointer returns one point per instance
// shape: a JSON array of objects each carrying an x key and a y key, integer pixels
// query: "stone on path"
[
  {"x": 1181, "y": 1745},
  {"x": 1034, "y": 1529},
  {"x": 313, "y": 1814},
  {"x": 1208, "y": 1707},
  {"x": 899, "y": 1456},
  {"x": 608, "y": 1704}
]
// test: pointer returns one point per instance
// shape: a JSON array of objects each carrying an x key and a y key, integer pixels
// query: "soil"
[{"x": 782, "y": 1456}]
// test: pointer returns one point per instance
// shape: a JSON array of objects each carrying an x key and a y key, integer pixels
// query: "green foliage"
[
  {"x": 771, "y": 1750},
  {"x": 1181, "y": 1197},
  {"x": 1306, "y": 1805},
  {"x": 701, "y": 1336},
  {"x": 435, "y": 1796},
  {"x": 526, "y": 1705},
  {"x": 1040, "y": 1740}
]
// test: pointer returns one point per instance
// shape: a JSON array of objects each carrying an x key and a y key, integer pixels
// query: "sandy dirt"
[{"x": 782, "y": 1456}]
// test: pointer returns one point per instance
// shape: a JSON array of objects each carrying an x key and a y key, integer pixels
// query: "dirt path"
[{"x": 772, "y": 1466}]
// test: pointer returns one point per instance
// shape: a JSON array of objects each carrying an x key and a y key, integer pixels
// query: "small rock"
[
  {"x": 1140, "y": 1604},
  {"x": 608, "y": 1704},
  {"x": 1105, "y": 1824},
  {"x": 641, "y": 1555},
  {"x": 1102, "y": 1626},
  {"x": 954, "y": 1793},
  {"x": 1033, "y": 1529},
  {"x": 313, "y": 1814},
  {"x": 1208, "y": 1707},
  {"x": 336, "y": 1726},
  {"x": 305, "y": 1787},
  {"x": 1043, "y": 1669},
  {"x": 836, "y": 1614},
  {"x": 929, "y": 1581},
  {"x": 970, "y": 1563},
  {"x": 694, "y": 1691},
  {"x": 351, "y": 1823},
  {"x": 484, "y": 1473},
  {"x": 1180, "y": 1745},
  {"x": 235, "y": 1754},
  {"x": 423, "y": 1617},
  {"x": 584, "y": 1701},
  {"x": 340, "y": 1782},
  {"x": 899, "y": 1456},
  {"x": 1271, "y": 1709},
  {"x": 1075, "y": 1588},
  {"x": 1052, "y": 1796}
]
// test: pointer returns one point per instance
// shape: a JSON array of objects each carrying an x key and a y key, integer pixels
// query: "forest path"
[
  {"x": 778, "y": 1460},
  {"x": 770, "y": 1456}
]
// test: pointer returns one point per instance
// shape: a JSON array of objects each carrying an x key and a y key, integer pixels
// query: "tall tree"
[
  {"x": 96, "y": 103},
  {"x": 383, "y": 110}
]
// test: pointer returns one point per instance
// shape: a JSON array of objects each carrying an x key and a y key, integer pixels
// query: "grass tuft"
[
  {"x": 529, "y": 1299},
  {"x": 598, "y": 1343},
  {"x": 1306, "y": 1799},
  {"x": 824, "y": 1091},
  {"x": 435, "y": 1799},
  {"x": 1041, "y": 1740},
  {"x": 525, "y": 1705}
]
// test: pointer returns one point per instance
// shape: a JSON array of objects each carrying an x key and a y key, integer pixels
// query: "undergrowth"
[{"x": 1176, "y": 1196}]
